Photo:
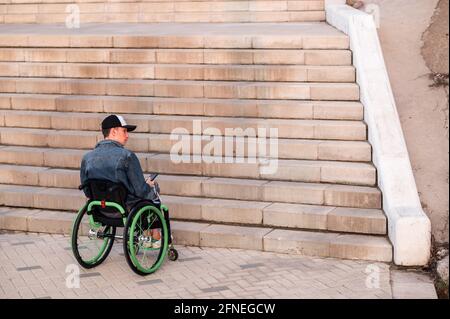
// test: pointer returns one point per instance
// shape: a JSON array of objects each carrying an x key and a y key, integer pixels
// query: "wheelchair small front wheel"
[
  {"x": 145, "y": 254},
  {"x": 172, "y": 254},
  {"x": 91, "y": 241}
]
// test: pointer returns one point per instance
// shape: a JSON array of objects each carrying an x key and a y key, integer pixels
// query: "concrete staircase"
[
  {"x": 57, "y": 85},
  {"x": 157, "y": 11}
]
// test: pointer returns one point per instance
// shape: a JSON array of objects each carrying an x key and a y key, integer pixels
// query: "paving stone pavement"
[{"x": 34, "y": 266}]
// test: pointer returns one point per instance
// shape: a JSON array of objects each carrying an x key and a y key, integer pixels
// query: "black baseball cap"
[{"x": 116, "y": 121}]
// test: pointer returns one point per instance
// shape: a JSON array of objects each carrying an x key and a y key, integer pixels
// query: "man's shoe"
[
  {"x": 147, "y": 245},
  {"x": 156, "y": 243}
]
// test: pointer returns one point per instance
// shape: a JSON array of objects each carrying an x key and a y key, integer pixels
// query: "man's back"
[{"x": 111, "y": 161}]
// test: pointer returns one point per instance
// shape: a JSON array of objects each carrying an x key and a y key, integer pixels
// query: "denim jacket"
[{"x": 110, "y": 160}]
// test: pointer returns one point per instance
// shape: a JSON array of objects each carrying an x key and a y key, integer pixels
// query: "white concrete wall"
[{"x": 409, "y": 228}]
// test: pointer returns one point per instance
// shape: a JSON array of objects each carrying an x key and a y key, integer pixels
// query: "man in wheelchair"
[{"x": 110, "y": 161}]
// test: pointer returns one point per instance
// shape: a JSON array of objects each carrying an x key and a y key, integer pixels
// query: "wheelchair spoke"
[
  {"x": 144, "y": 257},
  {"x": 153, "y": 220}
]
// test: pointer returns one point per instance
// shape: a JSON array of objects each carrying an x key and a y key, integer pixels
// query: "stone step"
[
  {"x": 213, "y": 187},
  {"x": 184, "y": 56},
  {"x": 58, "y": 7},
  {"x": 165, "y": 11},
  {"x": 183, "y": 17},
  {"x": 355, "y": 151},
  {"x": 319, "y": 110},
  {"x": 184, "y": 88},
  {"x": 348, "y": 173},
  {"x": 225, "y": 126},
  {"x": 252, "y": 73},
  {"x": 295, "y": 216},
  {"x": 179, "y": 17},
  {"x": 330, "y": 244},
  {"x": 284, "y": 36}
]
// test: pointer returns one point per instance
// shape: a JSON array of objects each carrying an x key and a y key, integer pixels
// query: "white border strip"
[{"x": 409, "y": 228}]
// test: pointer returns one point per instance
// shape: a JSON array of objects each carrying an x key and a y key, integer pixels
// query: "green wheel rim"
[{"x": 131, "y": 245}]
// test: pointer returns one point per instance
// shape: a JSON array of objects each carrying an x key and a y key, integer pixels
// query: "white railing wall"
[{"x": 409, "y": 228}]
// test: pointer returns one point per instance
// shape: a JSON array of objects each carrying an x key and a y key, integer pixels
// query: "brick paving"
[{"x": 34, "y": 266}]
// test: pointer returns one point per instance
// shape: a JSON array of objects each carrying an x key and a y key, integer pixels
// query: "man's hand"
[{"x": 154, "y": 184}]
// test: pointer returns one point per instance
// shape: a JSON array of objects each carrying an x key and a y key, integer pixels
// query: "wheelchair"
[{"x": 94, "y": 229}]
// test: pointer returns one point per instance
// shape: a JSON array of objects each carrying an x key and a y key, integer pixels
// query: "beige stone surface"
[
  {"x": 181, "y": 185},
  {"x": 62, "y": 178},
  {"x": 42, "y": 103},
  {"x": 22, "y": 155},
  {"x": 361, "y": 247},
  {"x": 52, "y": 222},
  {"x": 20, "y": 175},
  {"x": 59, "y": 199},
  {"x": 294, "y": 192},
  {"x": 233, "y": 188},
  {"x": 23, "y": 137},
  {"x": 63, "y": 158},
  {"x": 340, "y": 130},
  {"x": 72, "y": 139},
  {"x": 348, "y": 173},
  {"x": 345, "y": 151},
  {"x": 178, "y": 106},
  {"x": 412, "y": 285},
  {"x": 68, "y": 103},
  {"x": 187, "y": 233},
  {"x": 5, "y": 102},
  {"x": 353, "y": 220},
  {"x": 18, "y": 196},
  {"x": 219, "y": 168},
  {"x": 298, "y": 171},
  {"x": 233, "y": 211},
  {"x": 233, "y": 236},
  {"x": 16, "y": 218},
  {"x": 225, "y": 273},
  {"x": 299, "y": 242},
  {"x": 162, "y": 164},
  {"x": 353, "y": 196},
  {"x": 296, "y": 216},
  {"x": 32, "y": 120},
  {"x": 184, "y": 207}
]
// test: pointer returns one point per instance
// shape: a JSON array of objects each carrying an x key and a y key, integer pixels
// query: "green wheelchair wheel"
[
  {"x": 91, "y": 241},
  {"x": 142, "y": 254}
]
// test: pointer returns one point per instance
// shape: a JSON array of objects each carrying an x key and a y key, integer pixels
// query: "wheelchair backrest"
[{"x": 105, "y": 190}]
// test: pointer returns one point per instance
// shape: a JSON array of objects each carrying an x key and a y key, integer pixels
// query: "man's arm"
[
  {"x": 83, "y": 174},
  {"x": 136, "y": 179}
]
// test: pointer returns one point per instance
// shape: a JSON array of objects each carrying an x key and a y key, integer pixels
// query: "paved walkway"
[{"x": 34, "y": 266}]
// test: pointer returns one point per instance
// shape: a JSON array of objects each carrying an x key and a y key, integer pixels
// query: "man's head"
[{"x": 115, "y": 128}]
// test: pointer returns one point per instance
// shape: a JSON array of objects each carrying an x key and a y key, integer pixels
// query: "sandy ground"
[{"x": 407, "y": 26}]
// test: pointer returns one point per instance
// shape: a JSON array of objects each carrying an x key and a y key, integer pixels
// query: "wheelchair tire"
[
  {"x": 172, "y": 254},
  {"x": 141, "y": 259},
  {"x": 86, "y": 250}
]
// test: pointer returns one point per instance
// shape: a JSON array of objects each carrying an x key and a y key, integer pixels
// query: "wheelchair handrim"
[{"x": 132, "y": 246}]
